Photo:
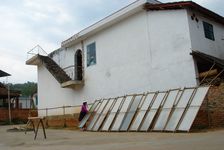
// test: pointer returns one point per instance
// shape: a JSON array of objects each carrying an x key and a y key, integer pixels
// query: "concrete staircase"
[{"x": 58, "y": 73}]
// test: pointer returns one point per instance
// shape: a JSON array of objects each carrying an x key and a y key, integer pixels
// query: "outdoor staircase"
[{"x": 57, "y": 72}]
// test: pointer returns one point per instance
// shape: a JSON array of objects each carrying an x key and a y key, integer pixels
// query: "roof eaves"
[
  {"x": 185, "y": 5},
  {"x": 137, "y": 5},
  {"x": 219, "y": 62}
]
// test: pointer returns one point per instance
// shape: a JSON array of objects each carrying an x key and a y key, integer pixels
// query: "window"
[
  {"x": 91, "y": 54},
  {"x": 208, "y": 29}
]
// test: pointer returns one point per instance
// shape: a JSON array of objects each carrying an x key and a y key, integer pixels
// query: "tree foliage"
[{"x": 27, "y": 89}]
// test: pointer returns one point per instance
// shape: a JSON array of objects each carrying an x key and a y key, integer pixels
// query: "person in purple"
[{"x": 84, "y": 111}]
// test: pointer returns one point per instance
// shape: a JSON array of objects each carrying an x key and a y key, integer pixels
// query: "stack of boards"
[{"x": 173, "y": 110}]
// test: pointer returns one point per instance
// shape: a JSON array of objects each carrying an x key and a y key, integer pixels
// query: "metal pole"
[
  {"x": 9, "y": 103},
  {"x": 46, "y": 112}
]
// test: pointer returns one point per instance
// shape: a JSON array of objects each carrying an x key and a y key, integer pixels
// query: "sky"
[{"x": 27, "y": 23}]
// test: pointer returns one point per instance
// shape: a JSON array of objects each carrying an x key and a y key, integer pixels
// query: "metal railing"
[
  {"x": 36, "y": 50},
  {"x": 60, "y": 111},
  {"x": 70, "y": 71}
]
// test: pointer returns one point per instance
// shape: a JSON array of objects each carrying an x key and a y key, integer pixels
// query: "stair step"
[{"x": 55, "y": 69}]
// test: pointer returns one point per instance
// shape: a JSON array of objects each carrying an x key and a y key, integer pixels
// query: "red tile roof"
[{"x": 185, "y": 5}]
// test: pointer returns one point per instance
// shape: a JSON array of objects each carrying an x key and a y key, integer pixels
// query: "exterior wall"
[
  {"x": 65, "y": 56},
  {"x": 148, "y": 51},
  {"x": 131, "y": 58},
  {"x": 198, "y": 40},
  {"x": 65, "y": 59},
  {"x": 63, "y": 121},
  {"x": 212, "y": 110},
  {"x": 216, "y": 106},
  {"x": 169, "y": 43},
  {"x": 21, "y": 114},
  {"x": 50, "y": 93}
]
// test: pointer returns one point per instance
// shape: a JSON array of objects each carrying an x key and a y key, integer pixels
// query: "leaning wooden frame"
[{"x": 168, "y": 111}]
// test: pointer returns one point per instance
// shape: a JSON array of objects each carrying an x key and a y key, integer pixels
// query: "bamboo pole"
[
  {"x": 207, "y": 73},
  {"x": 9, "y": 103}
]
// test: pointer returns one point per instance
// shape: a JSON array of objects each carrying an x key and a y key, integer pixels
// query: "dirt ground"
[{"x": 79, "y": 140}]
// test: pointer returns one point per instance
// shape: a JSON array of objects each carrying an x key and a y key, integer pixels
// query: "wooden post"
[
  {"x": 17, "y": 102},
  {"x": 63, "y": 110},
  {"x": 46, "y": 112},
  {"x": 9, "y": 105},
  {"x": 64, "y": 116}
]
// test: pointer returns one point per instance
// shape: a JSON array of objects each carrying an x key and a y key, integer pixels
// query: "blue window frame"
[
  {"x": 208, "y": 30},
  {"x": 91, "y": 54}
]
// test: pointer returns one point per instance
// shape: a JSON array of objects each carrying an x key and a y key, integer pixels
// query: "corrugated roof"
[{"x": 4, "y": 74}]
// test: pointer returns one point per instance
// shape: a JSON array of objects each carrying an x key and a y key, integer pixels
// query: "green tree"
[{"x": 27, "y": 89}]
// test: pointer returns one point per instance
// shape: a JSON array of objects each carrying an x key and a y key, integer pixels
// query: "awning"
[
  {"x": 219, "y": 62},
  {"x": 214, "y": 68},
  {"x": 4, "y": 74}
]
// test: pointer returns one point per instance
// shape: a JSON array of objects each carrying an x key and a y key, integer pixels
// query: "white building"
[{"x": 142, "y": 47}]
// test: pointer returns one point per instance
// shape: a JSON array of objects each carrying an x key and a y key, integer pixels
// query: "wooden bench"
[{"x": 38, "y": 121}]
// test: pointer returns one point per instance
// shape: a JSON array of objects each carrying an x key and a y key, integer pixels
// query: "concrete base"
[{"x": 74, "y": 84}]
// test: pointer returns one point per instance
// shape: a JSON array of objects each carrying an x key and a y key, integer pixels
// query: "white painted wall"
[
  {"x": 198, "y": 40},
  {"x": 50, "y": 93},
  {"x": 148, "y": 51},
  {"x": 65, "y": 59},
  {"x": 171, "y": 64}
]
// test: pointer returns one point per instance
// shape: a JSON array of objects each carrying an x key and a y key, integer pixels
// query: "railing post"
[
  {"x": 63, "y": 110},
  {"x": 46, "y": 112},
  {"x": 36, "y": 50},
  {"x": 64, "y": 116}
]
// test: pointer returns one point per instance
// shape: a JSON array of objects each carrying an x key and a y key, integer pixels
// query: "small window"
[
  {"x": 91, "y": 54},
  {"x": 208, "y": 29}
]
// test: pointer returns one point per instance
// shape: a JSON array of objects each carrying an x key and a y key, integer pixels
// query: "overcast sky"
[{"x": 27, "y": 23}]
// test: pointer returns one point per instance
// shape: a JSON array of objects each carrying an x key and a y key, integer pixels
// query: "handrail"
[
  {"x": 71, "y": 66},
  {"x": 39, "y": 50},
  {"x": 57, "y": 108},
  {"x": 70, "y": 71},
  {"x": 36, "y": 50}
]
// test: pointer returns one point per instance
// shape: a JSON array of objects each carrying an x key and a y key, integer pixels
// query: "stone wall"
[{"x": 211, "y": 113}]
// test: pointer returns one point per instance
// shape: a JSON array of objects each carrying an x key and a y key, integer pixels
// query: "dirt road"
[{"x": 78, "y": 140}]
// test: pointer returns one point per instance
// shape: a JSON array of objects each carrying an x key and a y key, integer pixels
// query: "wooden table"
[{"x": 35, "y": 122}]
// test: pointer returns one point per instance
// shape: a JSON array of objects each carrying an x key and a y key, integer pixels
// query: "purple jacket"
[{"x": 84, "y": 108}]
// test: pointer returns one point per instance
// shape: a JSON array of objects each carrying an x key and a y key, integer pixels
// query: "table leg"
[
  {"x": 37, "y": 130},
  {"x": 28, "y": 122},
  {"x": 33, "y": 126},
  {"x": 43, "y": 129}
]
